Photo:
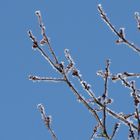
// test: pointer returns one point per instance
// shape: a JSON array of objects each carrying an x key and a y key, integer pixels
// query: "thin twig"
[
  {"x": 70, "y": 61},
  {"x": 94, "y": 131},
  {"x": 36, "y": 46},
  {"x": 106, "y": 74},
  {"x": 36, "y": 78},
  {"x": 45, "y": 38},
  {"x": 115, "y": 129},
  {"x": 47, "y": 121}
]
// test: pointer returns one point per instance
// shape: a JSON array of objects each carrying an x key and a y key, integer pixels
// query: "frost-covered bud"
[
  {"x": 99, "y": 98},
  {"x": 48, "y": 121},
  {"x": 35, "y": 45},
  {"x": 38, "y": 13},
  {"x": 121, "y": 33},
  {"x": 100, "y": 73},
  {"x": 85, "y": 85},
  {"x": 114, "y": 78},
  {"x": 109, "y": 101},
  {"x": 41, "y": 108},
  {"x": 31, "y": 77},
  {"x": 137, "y": 16},
  {"x": 66, "y": 51},
  {"x": 99, "y": 5},
  {"x": 75, "y": 72}
]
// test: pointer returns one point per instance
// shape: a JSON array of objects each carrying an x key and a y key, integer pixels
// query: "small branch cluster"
[{"x": 100, "y": 105}]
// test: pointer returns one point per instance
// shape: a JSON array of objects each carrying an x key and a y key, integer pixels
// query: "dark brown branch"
[
  {"x": 124, "y": 81},
  {"x": 106, "y": 75},
  {"x": 125, "y": 75},
  {"x": 70, "y": 61},
  {"x": 79, "y": 97}
]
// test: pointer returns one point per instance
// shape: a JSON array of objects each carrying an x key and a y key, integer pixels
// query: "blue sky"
[{"x": 75, "y": 25}]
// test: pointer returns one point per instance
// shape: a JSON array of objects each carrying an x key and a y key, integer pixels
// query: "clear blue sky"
[{"x": 75, "y": 25}]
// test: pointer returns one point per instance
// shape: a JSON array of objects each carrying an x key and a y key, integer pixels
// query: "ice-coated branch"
[
  {"x": 50, "y": 79},
  {"x": 115, "y": 129},
  {"x": 136, "y": 104},
  {"x": 47, "y": 120},
  {"x": 45, "y": 38},
  {"x": 105, "y": 94},
  {"x": 119, "y": 33},
  {"x": 33, "y": 39},
  {"x": 137, "y": 16},
  {"x": 94, "y": 133},
  {"x": 125, "y": 75}
]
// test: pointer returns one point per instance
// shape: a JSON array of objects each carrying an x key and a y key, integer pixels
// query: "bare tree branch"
[
  {"x": 47, "y": 121},
  {"x": 119, "y": 33}
]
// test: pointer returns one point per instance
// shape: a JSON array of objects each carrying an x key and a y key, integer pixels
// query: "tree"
[{"x": 99, "y": 107}]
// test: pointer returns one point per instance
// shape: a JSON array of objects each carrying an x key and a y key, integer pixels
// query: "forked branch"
[{"x": 120, "y": 33}]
